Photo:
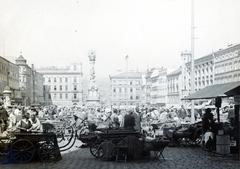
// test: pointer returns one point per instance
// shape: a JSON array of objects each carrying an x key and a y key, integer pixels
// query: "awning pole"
[
  {"x": 192, "y": 112},
  {"x": 218, "y": 115},
  {"x": 237, "y": 122}
]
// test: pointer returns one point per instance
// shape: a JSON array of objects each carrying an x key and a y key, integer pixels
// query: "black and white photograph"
[{"x": 119, "y": 84}]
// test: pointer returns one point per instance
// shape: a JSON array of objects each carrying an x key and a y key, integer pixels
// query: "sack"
[{"x": 207, "y": 136}]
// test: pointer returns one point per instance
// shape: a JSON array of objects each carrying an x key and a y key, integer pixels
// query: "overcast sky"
[{"x": 152, "y": 32}]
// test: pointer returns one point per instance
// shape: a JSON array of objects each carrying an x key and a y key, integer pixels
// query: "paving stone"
[{"x": 176, "y": 158}]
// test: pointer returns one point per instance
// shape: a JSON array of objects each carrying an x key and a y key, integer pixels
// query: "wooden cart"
[{"x": 25, "y": 147}]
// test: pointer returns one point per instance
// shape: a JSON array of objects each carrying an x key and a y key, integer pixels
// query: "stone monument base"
[{"x": 93, "y": 103}]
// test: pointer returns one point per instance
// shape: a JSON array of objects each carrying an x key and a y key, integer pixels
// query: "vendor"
[
  {"x": 231, "y": 115},
  {"x": 25, "y": 124},
  {"x": 129, "y": 121},
  {"x": 12, "y": 120},
  {"x": 35, "y": 122},
  {"x": 137, "y": 119},
  {"x": 3, "y": 118},
  {"x": 207, "y": 121},
  {"x": 114, "y": 119},
  {"x": 208, "y": 130}
]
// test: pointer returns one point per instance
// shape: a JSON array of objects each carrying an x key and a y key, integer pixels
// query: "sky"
[{"x": 153, "y": 33}]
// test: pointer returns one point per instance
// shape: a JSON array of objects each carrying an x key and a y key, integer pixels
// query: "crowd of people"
[
  {"x": 142, "y": 119},
  {"x": 19, "y": 119}
]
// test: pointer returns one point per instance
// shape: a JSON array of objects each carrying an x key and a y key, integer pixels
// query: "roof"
[
  {"x": 9, "y": 62},
  {"x": 20, "y": 58},
  {"x": 203, "y": 59},
  {"x": 229, "y": 48},
  {"x": 176, "y": 72},
  {"x": 128, "y": 75},
  {"x": 218, "y": 90}
]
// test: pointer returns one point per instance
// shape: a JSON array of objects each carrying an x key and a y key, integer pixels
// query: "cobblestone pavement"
[{"x": 176, "y": 158}]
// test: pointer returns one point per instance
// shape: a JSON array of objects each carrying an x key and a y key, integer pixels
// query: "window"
[
  {"x": 137, "y": 97},
  {"x": 131, "y": 90},
  {"x": 74, "y": 79},
  {"x": 60, "y": 87},
  {"x": 131, "y": 97},
  {"x": 114, "y": 90},
  {"x": 55, "y": 79},
  {"x": 60, "y": 96},
  {"x": 75, "y": 96},
  {"x": 55, "y": 95},
  {"x": 66, "y": 79},
  {"x": 55, "y": 88},
  {"x": 66, "y": 96},
  {"x": 60, "y": 80},
  {"x": 49, "y": 79},
  {"x": 75, "y": 87},
  {"x": 131, "y": 83},
  {"x": 120, "y": 90},
  {"x": 49, "y": 96}
]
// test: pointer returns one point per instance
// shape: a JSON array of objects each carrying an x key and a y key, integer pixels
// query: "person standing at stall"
[
  {"x": 3, "y": 118},
  {"x": 137, "y": 119},
  {"x": 129, "y": 120},
  {"x": 24, "y": 124},
  {"x": 35, "y": 122},
  {"x": 207, "y": 129}
]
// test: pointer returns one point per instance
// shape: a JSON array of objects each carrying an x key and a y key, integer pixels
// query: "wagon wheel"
[
  {"x": 48, "y": 151},
  {"x": 184, "y": 141},
  {"x": 65, "y": 134},
  {"x": 60, "y": 137},
  {"x": 198, "y": 140},
  {"x": 96, "y": 150},
  {"x": 22, "y": 151},
  {"x": 60, "y": 133},
  {"x": 4, "y": 145},
  {"x": 83, "y": 132}
]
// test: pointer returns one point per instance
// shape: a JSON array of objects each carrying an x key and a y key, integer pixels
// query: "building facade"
[
  {"x": 63, "y": 86},
  {"x": 174, "y": 87},
  {"x": 146, "y": 87},
  {"x": 38, "y": 96},
  {"x": 227, "y": 65},
  {"x": 203, "y": 73},
  {"x": 30, "y": 83},
  {"x": 158, "y": 89},
  {"x": 126, "y": 89},
  {"x": 9, "y": 76}
]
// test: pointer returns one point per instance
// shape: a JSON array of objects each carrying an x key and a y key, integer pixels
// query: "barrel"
[{"x": 223, "y": 144}]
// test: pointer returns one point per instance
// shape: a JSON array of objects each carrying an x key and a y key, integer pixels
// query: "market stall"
[{"x": 218, "y": 92}]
